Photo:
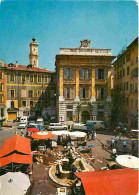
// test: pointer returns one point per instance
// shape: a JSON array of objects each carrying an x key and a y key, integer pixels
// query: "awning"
[
  {"x": 16, "y": 158},
  {"x": 110, "y": 182},
  {"x": 16, "y": 143}
]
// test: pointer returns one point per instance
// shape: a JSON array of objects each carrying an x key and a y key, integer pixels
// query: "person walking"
[
  {"x": 92, "y": 135},
  {"x": 88, "y": 134},
  {"x": 95, "y": 135},
  {"x": 124, "y": 146},
  {"x": 22, "y": 133},
  {"x": 114, "y": 153},
  {"x": 116, "y": 141},
  {"x": 15, "y": 131},
  {"x": 112, "y": 143}
]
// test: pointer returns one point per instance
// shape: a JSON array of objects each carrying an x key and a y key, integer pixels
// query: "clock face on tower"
[{"x": 85, "y": 44}]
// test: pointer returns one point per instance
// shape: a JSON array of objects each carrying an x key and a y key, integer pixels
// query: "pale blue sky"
[{"x": 55, "y": 24}]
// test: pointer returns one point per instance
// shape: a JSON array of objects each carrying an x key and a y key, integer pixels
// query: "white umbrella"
[
  {"x": 128, "y": 161},
  {"x": 77, "y": 134},
  {"x": 60, "y": 132},
  {"x": 13, "y": 183}
]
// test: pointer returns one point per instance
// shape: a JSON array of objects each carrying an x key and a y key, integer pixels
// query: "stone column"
[
  {"x": 61, "y": 98},
  {"x": 77, "y": 99},
  {"x": 109, "y": 86},
  {"x": 93, "y": 91}
]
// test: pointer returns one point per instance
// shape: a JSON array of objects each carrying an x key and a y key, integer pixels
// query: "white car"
[
  {"x": 57, "y": 126},
  {"x": 22, "y": 125}
]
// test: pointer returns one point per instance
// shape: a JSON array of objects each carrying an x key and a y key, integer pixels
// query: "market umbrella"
[
  {"x": 42, "y": 135},
  {"x": 128, "y": 161},
  {"x": 33, "y": 129},
  {"x": 14, "y": 183},
  {"x": 77, "y": 134},
  {"x": 60, "y": 132}
]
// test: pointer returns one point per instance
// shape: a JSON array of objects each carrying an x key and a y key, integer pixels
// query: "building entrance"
[{"x": 85, "y": 116}]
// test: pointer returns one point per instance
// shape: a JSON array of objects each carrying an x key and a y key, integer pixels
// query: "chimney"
[{"x": 16, "y": 64}]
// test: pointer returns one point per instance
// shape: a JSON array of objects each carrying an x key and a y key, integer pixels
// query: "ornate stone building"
[
  {"x": 30, "y": 90},
  {"x": 84, "y": 83}
]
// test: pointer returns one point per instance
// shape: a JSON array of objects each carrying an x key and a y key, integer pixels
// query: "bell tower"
[{"x": 33, "y": 56}]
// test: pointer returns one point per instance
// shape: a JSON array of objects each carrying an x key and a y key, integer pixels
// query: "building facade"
[
  {"x": 30, "y": 90},
  {"x": 126, "y": 85},
  {"x": 84, "y": 83},
  {"x": 2, "y": 95}
]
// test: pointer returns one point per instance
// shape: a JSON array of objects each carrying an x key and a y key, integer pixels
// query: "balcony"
[{"x": 101, "y": 81}]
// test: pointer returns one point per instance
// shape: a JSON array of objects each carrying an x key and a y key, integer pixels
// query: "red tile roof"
[{"x": 25, "y": 68}]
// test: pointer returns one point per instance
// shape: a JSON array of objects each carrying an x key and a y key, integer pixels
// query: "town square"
[{"x": 69, "y": 97}]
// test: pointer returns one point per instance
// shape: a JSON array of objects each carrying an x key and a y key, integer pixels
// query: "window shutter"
[
  {"x": 23, "y": 93},
  {"x": 81, "y": 73},
  {"x": 65, "y": 73},
  {"x": 89, "y": 73},
  {"x": 99, "y": 93},
  {"x": 86, "y": 93},
  {"x": 96, "y": 70},
  {"x": 65, "y": 92},
  {"x": 105, "y": 93},
  {"x": 81, "y": 93},
  {"x": 105, "y": 73},
  {"x": 71, "y": 93},
  {"x": 86, "y": 73},
  {"x": 71, "y": 73}
]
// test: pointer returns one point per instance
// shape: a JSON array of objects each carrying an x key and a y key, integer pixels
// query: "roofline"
[
  {"x": 83, "y": 48},
  {"x": 127, "y": 49},
  {"x": 9, "y": 68},
  {"x": 85, "y": 55}
]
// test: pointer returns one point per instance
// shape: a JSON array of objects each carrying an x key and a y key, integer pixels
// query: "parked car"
[
  {"x": 40, "y": 121},
  {"x": 24, "y": 119},
  {"x": 79, "y": 126},
  {"x": 57, "y": 126},
  {"x": 16, "y": 120},
  {"x": 22, "y": 125},
  {"x": 31, "y": 123},
  {"x": 99, "y": 125}
]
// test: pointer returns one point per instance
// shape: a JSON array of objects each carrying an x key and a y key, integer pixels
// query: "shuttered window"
[
  {"x": 23, "y": 93},
  {"x": 101, "y": 73},
  {"x": 39, "y": 78},
  {"x": 84, "y": 93},
  {"x": 68, "y": 73},
  {"x": 30, "y": 93},
  {"x": 101, "y": 93},
  {"x": 1, "y": 87},
  {"x": 69, "y": 93},
  {"x": 96, "y": 73},
  {"x": 1, "y": 98},
  {"x": 31, "y": 78},
  {"x": 12, "y": 77},
  {"x": 105, "y": 73},
  {"x": 12, "y": 93},
  {"x": 23, "y": 77},
  {"x": 85, "y": 73},
  {"x": 1, "y": 75}
]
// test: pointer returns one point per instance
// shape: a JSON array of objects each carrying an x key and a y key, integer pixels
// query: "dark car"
[{"x": 16, "y": 120}]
